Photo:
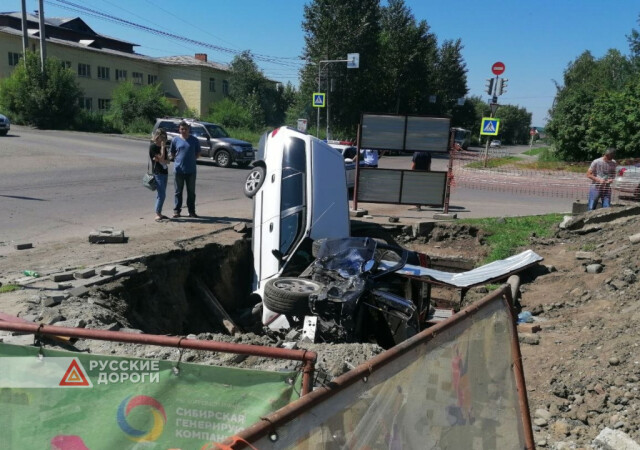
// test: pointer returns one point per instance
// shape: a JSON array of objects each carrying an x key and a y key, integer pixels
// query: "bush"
[
  {"x": 92, "y": 121},
  {"x": 230, "y": 114},
  {"x": 132, "y": 106},
  {"x": 45, "y": 100}
]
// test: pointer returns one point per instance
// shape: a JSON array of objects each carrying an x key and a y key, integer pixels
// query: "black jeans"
[{"x": 190, "y": 180}]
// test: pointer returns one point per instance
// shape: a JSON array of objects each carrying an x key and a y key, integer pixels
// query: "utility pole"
[
  {"x": 43, "y": 45},
  {"x": 25, "y": 32}
]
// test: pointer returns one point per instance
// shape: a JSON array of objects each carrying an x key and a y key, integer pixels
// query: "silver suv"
[{"x": 214, "y": 141}]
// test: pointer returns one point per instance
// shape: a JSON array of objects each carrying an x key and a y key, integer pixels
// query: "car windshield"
[{"x": 217, "y": 131}]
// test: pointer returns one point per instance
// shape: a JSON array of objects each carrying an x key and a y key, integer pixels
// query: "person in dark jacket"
[{"x": 160, "y": 170}]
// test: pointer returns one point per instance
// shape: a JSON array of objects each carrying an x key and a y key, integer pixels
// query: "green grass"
[
  {"x": 493, "y": 162},
  {"x": 9, "y": 288},
  {"x": 508, "y": 235},
  {"x": 535, "y": 151}
]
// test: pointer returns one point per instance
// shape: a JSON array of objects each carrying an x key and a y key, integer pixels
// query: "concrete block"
[
  {"x": 579, "y": 207},
  {"x": 63, "y": 286},
  {"x": 422, "y": 228},
  {"x": 528, "y": 328},
  {"x": 52, "y": 300},
  {"x": 24, "y": 246},
  {"x": 108, "y": 270},
  {"x": 609, "y": 439},
  {"x": 79, "y": 291},
  {"x": 107, "y": 236},
  {"x": 358, "y": 212},
  {"x": 86, "y": 273},
  {"x": 66, "y": 276},
  {"x": 443, "y": 216}
]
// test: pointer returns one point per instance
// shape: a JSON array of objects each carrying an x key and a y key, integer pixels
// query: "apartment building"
[{"x": 100, "y": 62}]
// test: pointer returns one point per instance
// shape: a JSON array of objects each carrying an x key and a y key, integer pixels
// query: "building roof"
[
  {"x": 88, "y": 39},
  {"x": 75, "y": 24},
  {"x": 191, "y": 61}
]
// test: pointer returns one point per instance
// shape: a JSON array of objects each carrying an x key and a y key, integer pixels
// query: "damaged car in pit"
[{"x": 353, "y": 297}]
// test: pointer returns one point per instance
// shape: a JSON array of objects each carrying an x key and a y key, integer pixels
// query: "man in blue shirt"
[{"x": 185, "y": 150}]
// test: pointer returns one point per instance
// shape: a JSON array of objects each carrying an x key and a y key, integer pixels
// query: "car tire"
[
  {"x": 254, "y": 181},
  {"x": 4, "y": 132},
  {"x": 223, "y": 158},
  {"x": 289, "y": 295}
]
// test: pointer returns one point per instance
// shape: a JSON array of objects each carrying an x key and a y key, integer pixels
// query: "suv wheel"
[
  {"x": 289, "y": 295},
  {"x": 254, "y": 181},
  {"x": 223, "y": 158}
]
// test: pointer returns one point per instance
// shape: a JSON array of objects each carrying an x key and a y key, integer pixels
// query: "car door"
[{"x": 203, "y": 137}]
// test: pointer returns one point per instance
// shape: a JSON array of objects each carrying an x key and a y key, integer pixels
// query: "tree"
[
  {"x": 251, "y": 90},
  {"x": 135, "y": 109},
  {"x": 450, "y": 76},
  {"x": 585, "y": 80},
  {"x": 334, "y": 28},
  {"x": 408, "y": 52},
  {"x": 45, "y": 99}
]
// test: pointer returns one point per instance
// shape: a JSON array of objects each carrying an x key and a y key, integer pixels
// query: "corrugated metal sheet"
[{"x": 479, "y": 275}]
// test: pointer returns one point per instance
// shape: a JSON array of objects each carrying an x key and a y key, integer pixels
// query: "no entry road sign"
[{"x": 497, "y": 68}]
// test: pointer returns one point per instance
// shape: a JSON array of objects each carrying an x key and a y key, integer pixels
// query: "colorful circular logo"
[{"x": 158, "y": 414}]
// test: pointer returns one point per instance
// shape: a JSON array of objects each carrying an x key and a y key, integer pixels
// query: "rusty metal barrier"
[
  {"x": 308, "y": 358},
  {"x": 266, "y": 431}
]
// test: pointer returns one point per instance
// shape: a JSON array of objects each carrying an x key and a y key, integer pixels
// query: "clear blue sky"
[{"x": 535, "y": 40}]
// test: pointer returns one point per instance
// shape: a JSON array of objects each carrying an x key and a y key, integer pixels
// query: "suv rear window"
[{"x": 169, "y": 127}]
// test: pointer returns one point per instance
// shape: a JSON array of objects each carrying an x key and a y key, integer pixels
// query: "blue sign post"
[
  {"x": 318, "y": 99},
  {"x": 489, "y": 126}
]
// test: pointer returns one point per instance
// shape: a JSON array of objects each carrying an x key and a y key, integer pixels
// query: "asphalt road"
[{"x": 60, "y": 184}]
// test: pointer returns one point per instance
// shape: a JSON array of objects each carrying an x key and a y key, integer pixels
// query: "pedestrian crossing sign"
[
  {"x": 490, "y": 126},
  {"x": 318, "y": 99}
]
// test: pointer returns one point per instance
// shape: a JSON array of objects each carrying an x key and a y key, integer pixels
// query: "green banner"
[{"x": 106, "y": 402}]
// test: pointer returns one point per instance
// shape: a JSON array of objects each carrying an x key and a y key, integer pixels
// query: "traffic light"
[
  {"x": 489, "y": 86},
  {"x": 502, "y": 87}
]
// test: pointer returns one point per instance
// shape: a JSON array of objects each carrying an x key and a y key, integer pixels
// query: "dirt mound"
[{"x": 582, "y": 370}]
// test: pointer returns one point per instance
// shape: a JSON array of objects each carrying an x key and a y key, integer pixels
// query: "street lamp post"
[{"x": 353, "y": 62}]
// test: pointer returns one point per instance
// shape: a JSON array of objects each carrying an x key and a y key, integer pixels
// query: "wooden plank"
[{"x": 216, "y": 308}]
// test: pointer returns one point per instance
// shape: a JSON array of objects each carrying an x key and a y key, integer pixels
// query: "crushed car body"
[{"x": 355, "y": 297}]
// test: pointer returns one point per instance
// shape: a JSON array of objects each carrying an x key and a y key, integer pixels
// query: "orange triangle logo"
[{"x": 74, "y": 376}]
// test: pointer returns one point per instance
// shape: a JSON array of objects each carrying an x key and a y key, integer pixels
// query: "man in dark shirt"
[
  {"x": 421, "y": 161},
  {"x": 185, "y": 150}
]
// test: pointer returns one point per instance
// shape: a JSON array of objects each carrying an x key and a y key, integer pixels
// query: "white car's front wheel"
[{"x": 288, "y": 295}]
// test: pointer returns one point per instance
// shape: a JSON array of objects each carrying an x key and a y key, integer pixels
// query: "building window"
[
  {"x": 121, "y": 75},
  {"x": 137, "y": 77},
  {"x": 104, "y": 104},
  {"x": 84, "y": 70},
  {"x": 212, "y": 84},
  {"x": 65, "y": 64},
  {"x": 103, "y": 73},
  {"x": 225, "y": 87},
  {"x": 86, "y": 103},
  {"x": 14, "y": 58},
  {"x": 152, "y": 79}
]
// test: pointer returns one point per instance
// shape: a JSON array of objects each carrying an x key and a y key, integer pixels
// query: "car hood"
[
  {"x": 3, "y": 117},
  {"x": 233, "y": 141}
]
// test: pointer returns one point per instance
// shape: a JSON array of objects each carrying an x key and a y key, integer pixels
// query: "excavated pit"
[{"x": 170, "y": 294}]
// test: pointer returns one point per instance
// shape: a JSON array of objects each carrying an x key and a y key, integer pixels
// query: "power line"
[{"x": 282, "y": 61}]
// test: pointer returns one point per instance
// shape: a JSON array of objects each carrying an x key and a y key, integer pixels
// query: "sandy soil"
[{"x": 582, "y": 369}]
